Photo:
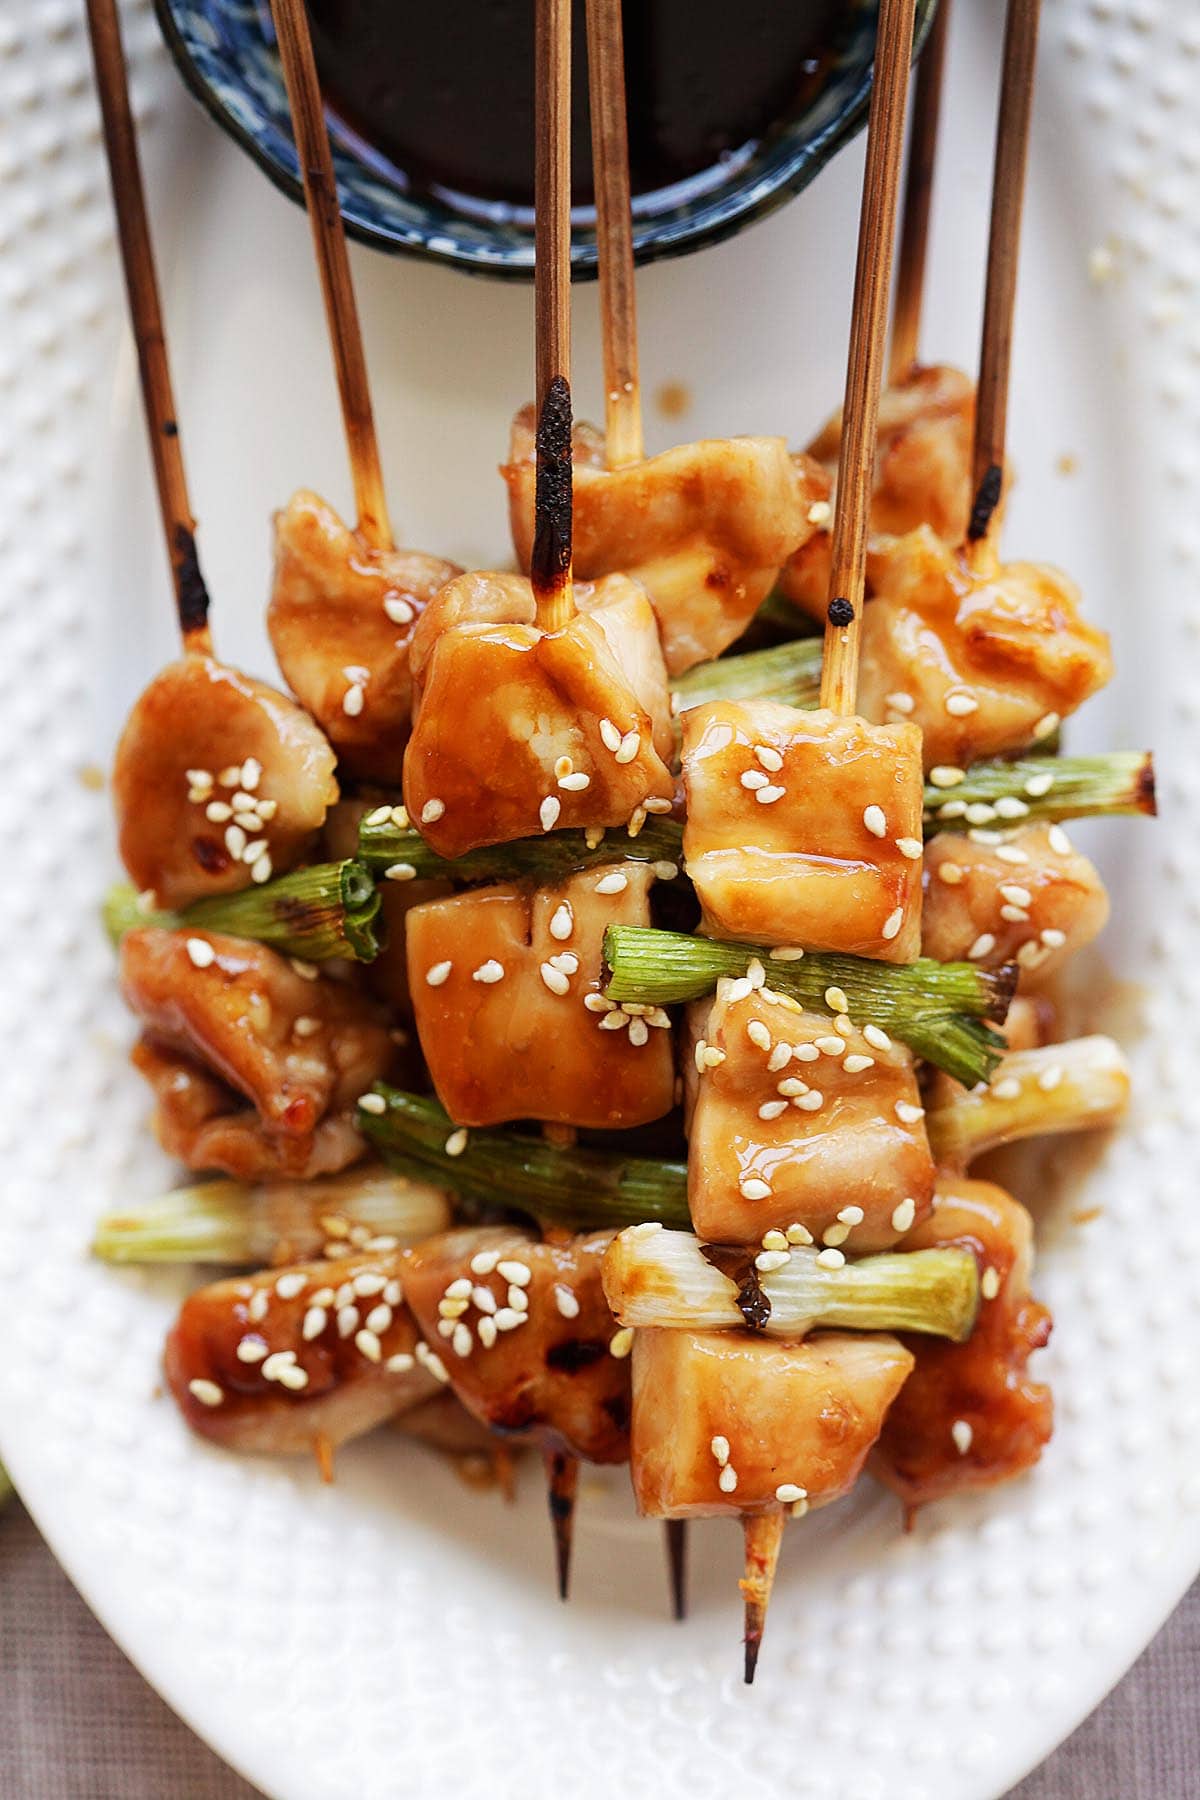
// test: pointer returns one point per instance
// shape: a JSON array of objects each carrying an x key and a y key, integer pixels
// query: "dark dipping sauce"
[{"x": 441, "y": 92}]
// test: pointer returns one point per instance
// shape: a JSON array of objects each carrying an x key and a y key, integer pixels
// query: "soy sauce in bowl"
[{"x": 441, "y": 94}]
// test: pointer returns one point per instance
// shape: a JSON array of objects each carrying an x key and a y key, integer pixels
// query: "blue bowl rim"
[{"x": 655, "y": 240}]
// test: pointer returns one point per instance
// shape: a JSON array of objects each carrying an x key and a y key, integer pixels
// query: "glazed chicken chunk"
[
  {"x": 804, "y": 828},
  {"x": 300, "y": 1051},
  {"x": 528, "y": 1341},
  {"x": 341, "y": 618},
  {"x": 984, "y": 663},
  {"x": 922, "y": 476},
  {"x": 969, "y": 1416},
  {"x": 729, "y": 1422},
  {"x": 219, "y": 781},
  {"x": 518, "y": 730},
  {"x": 705, "y": 527},
  {"x": 1027, "y": 897},
  {"x": 801, "y": 1121},
  {"x": 505, "y": 984},
  {"x": 294, "y": 1358}
]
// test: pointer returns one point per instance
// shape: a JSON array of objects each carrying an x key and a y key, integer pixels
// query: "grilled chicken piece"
[
  {"x": 800, "y": 1122},
  {"x": 443, "y": 1423},
  {"x": 505, "y": 984},
  {"x": 922, "y": 476},
  {"x": 528, "y": 1341},
  {"x": 301, "y": 1359},
  {"x": 518, "y": 730},
  {"x": 218, "y": 781},
  {"x": 300, "y": 1051},
  {"x": 984, "y": 663},
  {"x": 705, "y": 527},
  {"x": 969, "y": 1416},
  {"x": 341, "y": 618},
  {"x": 804, "y": 828},
  {"x": 727, "y": 1422},
  {"x": 1028, "y": 897}
]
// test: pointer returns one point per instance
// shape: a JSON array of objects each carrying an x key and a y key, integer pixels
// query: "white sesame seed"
[
  {"x": 379, "y": 816},
  {"x": 805, "y": 1052},
  {"x": 218, "y": 811},
  {"x": 438, "y": 973},
  {"x": 754, "y": 778},
  {"x": 1007, "y": 1088},
  {"x": 772, "y": 1109},
  {"x": 767, "y": 796},
  {"x": 1050, "y": 1078},
  {"x": 315, "y": 1321},
  {"x": 960, "y": 705},
  {"x": 563, "y": 922},
  {"x": 951, "y": 873},
  {"x": 251, "y": 1349},
  {"x": 891, "y": 925},
  {"x": 789, "y": 1492},
  {"x": 833, "y": 1235},
  {"x": 549, "y": 810},
  {"x": 798, "y": 1234},
  {"x": 1058, "y": 840},
  {"x": 485, "y": 1330},
  {"x": 305, "y": 1026},
  {"x": 830, "y": 1046},
  {"x": 615, "y": 882},
  {"x": 767, "y": 1261},
  {"x": 518, "y": 1274},
  {"x": 462, "y": 1341},
  {"x": 786, "y": 953},
  {"x": 727, "y": 1480},
  {"x": 1052, "y": 938},
  {"x": 379, "y": 1317},
  {"x": 347, "y": 1320},
  {"x": 322, "y": 1296},
  {"x": 911, "y": 848},
  {"x": 566, "y": 1301},
  {"x": 201, "y": 953},
  {"x": 613, "y": 1021},
  {"x": 875, "y": 820},
  {"x": 831, "y": 1258},
  {"x": 813, "y": 1101},
  {"x": 1009, "y": 807},
  {"x": 946, "y": 775},
  {"x": 276, "y": 1363},
  {"x": 774, "y": 1240},
  {"x": 456, "y": 1143},
  {"x": 610, "y": 737},
  {"x": 836, "y": 1000},
  {"x": 908, "y": 1113},
  {"x": 753, "y": 1188},
  {"x": 554, "y": 979},
  {"x": 267, "y": 809},
  {"x": 991, "y": 838},
  {"x": 231, "y": 777},
  {"x": 206, "y": 1392},
  {"x": 952, "y": 809},
  {"x": 979, "y": 813},
  {"x": 368, "y": 1282},
  {"x": 856, "y": 1063},
  {"x": 400, "y": 871},
  {"x": 719, "y": 1446},
  {"x": 1014, "y": 894},
  {"x": 398, "y": 609},
  {"x": 1046, "y": 726},
  {"x": 769, "y": 757},
  {"x": 983, "y": 946},
  {"x": 518, "y": 1299},
  {"x": 852, "y": 1215},
  {"x": 368, "y": 1344},
  {"x": 1014, "y": 915},
  {"x": 630, "y": 744},
  {"x": 758, "y": 1034},
  {"x": 507, "y": 1319},
  {"x": 352, "y": 700},
  {"x": 1037, "y": 785},
  {"x": 260, "y": 869},
  {"x": 290, "y": 1285},
  {"x": 639, "y": 1033},
  {"x": 484, "y": 1261},
  {"x": 432, "y": 811},
  {"x": 432, "y": 1362},
  {"x": 791, "y": 1086},
  {"x": 962, "y": 1433},
  {"x": 756, "y": 975},
  {"x": 713, "y": 1058},
  {"x": 1011, "y": 853},
  {"x": 257, "y": 1309},
  {"x": 488, "y": 972},
  {"x": 305, "y": 970},
  {"x": 198, "y": 777},
  {"x": 665, "y": 871},
  {"x": 879, "y": 1040},
  {"x": 372, "y": 1103},
  {"x": 251, "y": 773},
  {"x": 399, "y": 1364},
  {"x": 779, "y": 1058},
  {"x": 903, "y": 1215}
]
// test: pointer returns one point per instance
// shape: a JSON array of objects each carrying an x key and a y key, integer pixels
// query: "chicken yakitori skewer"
[{"x": 218, "y": 779}]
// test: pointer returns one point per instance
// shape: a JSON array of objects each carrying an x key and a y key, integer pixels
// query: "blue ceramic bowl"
[{"x": 225, "y": 51}]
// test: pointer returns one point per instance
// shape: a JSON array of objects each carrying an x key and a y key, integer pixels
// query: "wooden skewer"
[
  {"x": 550, "y": 562},
  {"x": 918, "y": 193},
  {"x": 864, "y": 373},
  {"x": 1004, "y": 242},
  {"x": 329, "y": 241},
  {"x": 764, "y": 1535},
  {"x": 562, "y": 1486},
  {"x": 614, "y": 233},
  {"x": 677, "y": 1565},
  {"x": 145, "y": 306}
]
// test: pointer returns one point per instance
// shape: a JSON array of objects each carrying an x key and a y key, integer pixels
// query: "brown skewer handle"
[
  {"x": 562, "y": 1485},
  {"x": 864, "y": 374},
  {"x": 764, "y": 1535},
  {"x": 145, "y": 306},
  {"x": 1004, "y": 243},
  {"x": 614, "y": 233},
  {"x": 329, "y": 241},
  {"x": 550, "y": 563},
  {"x": 918, "y": 193}
]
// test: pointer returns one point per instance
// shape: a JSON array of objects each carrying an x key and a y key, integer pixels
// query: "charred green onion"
[
  {"x": 662, "y": 1278},
  {"x": 940, "y": 1010},
  {"x": 278, "y": 1221},
  {"x": 790, "y": 673},
  {"x": 1050, "y": 788},
  {"x": 327, "y": 910},
  {"x": 397, "y": 852},
  {"x": 1082, "y": 1085},
  {"x": 571, "y": 1186}
]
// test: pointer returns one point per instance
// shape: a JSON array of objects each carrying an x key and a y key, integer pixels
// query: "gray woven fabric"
[{"x": 77, "y": 1722}]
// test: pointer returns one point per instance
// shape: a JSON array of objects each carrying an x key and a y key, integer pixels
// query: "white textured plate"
[{"x": 397, "y": 1634}]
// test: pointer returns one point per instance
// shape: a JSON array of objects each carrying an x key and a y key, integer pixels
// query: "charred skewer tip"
[
  {"x": 677, "y": 1566},
  {"x": 764, "y": 1534},
  {"x": 562, "y": 1486}
]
